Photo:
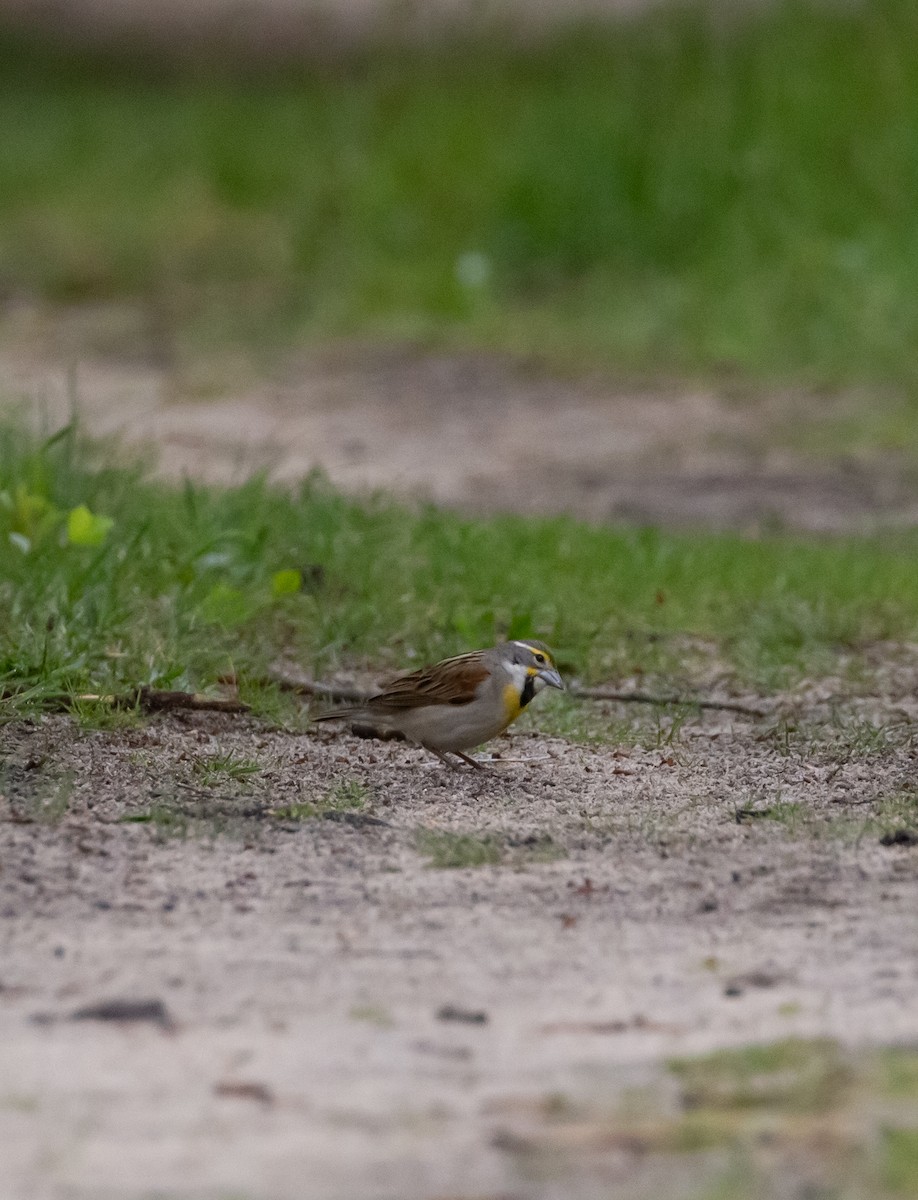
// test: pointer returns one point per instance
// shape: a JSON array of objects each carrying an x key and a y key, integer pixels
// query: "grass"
[
  {"x": 189, "y": 584},
  {"x": 749, "y": 216},
  {"x": 898, "y": 1072},
  {"x": 789, "y": 813},
  {"x": 347, "y": 795},
  {"x": 889, "y": 817},
  {"x": 182, "y": 815},
  {"x": 168, "y": 820},
  {"x": 656, "y": 727},
  {"x": 799, "y": 1117},
  {"x": 445, "y": 849},
  {"x": 843, "y": 736},
  {"x": 214, "y": 768},
  {"x": 900, "y": 1161},
  {"x": 795, "y": 1076}
]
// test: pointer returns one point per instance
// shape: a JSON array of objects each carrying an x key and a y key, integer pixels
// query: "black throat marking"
[{"x": 528, "y": 690}]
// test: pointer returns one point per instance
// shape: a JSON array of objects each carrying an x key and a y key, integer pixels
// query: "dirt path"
[
  {"x": 637, "y": 910},
  {"x": 482, "y": 434}
]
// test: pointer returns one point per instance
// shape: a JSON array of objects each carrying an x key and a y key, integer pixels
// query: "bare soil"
[
  {"x": 476, "y": 432},
  {"x": 342, "y": 1019},
  {"x": 325, "y": 1014}
]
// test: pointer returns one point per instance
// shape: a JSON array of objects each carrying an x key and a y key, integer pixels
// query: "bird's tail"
[{"x": 342, "y": 714}]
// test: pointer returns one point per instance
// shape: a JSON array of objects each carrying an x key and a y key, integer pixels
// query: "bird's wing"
[{"x": 453, "y": 681}]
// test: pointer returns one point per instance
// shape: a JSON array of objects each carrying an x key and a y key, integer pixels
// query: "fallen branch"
[
  {"x": 154, "y": 700},
  {"x": 292, "y": 680},
  {"x": 149, "y": 699},
  {"x": 646, "y": 698}
]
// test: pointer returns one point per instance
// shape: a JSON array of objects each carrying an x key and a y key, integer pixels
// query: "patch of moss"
[{"x": 794, "y": 1075}]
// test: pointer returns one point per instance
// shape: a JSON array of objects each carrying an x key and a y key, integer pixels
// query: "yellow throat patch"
[
  {"x": 514, "y": 702},
  {"x": 512, "y": 706}
]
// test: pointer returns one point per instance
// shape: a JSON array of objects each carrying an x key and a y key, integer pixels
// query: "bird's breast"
[{"x": 512, "y": 702}]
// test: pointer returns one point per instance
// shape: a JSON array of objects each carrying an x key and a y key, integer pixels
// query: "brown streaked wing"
[{"x": 453, "y": 681}]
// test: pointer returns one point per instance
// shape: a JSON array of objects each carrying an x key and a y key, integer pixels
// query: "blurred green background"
[{"x": 681, "y": 193}]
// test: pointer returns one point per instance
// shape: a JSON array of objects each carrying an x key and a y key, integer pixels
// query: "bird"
[{"x": 460, "y": 702}]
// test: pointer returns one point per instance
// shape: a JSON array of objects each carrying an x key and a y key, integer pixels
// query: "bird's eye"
[{"x": 540, "y": 658}]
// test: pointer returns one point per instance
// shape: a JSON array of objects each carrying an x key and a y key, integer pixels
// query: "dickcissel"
[{"x": 460, "y": 702}]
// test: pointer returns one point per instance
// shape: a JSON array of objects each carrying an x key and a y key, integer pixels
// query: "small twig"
[
  {"x": 489, "y": 762},
  {"x": 646, "y": 698},
  {"x": 150, "y": 699},
  {"x": 155, "y": 700},
  {"x": 291, "y": 680}
]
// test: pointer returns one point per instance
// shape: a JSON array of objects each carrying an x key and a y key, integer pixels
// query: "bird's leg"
[
  {"x": 449, "y": 762},
  {"x": 442, "y": 757},
  {"x": 473, "y": 762}
]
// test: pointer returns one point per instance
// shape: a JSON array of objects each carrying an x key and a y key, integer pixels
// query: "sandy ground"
[
  {"x": 638, "y": 909},
  {"x": 304, "y": 965},
  {"x": 477, "y": 432},
  {"x": 329, "y": 1015}
]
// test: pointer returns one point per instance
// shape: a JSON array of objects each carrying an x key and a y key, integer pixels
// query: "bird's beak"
[{"x": 551, "y": 677}]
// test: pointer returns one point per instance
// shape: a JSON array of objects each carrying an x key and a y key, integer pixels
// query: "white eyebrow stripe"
[{"x": 537, "y": 654}]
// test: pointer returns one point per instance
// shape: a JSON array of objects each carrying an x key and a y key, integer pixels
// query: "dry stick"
[
  {"x": 155, "y": 700},
  {"x": 304, "y": 686},
  {"x": 645, "y": 698},
  {"x": 151, "y": 699}
]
